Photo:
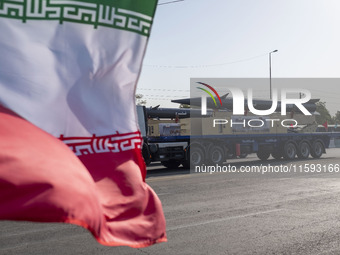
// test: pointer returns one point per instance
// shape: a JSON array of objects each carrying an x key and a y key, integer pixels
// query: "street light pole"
[{"x": 270, "y": 72}]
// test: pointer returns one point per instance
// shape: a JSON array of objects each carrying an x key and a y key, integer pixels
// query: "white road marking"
[{"x": 221, "y": 219}]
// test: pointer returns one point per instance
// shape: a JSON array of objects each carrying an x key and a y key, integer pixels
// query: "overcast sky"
[{"x": 233, "y": 38}]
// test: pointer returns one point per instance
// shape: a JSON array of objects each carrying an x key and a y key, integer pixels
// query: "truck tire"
[
  {"x": 171, "y": 164},
  {"x": 263, "y": 155},
  {"x": 146, "y": 155},
  {"x": 186, "y": 164},
  {"x": 289, "y": 150},
  {"x": 243, "y": 155},
  {"x": 303, "y": 150},
  {"x": 196, "y": 156},
  {"x": 277, "y": 155},
  {"x": 216, "y": 155},
  {"x": 317, "y": 149}
]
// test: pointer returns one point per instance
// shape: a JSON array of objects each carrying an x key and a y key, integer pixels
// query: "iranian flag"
[
  {"x": 325, "y": 124},
  {"x": 70, "y": 147}
]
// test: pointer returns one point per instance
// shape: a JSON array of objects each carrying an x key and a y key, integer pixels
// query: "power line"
[
  {"x": 171, "y": 2},
  {"x": 323, "y": 91},
  {"x": 205, "y": 66},
  {"x": 163, "y": 89}
]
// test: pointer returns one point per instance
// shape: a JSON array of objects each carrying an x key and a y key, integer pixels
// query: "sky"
[{"x": 233, "y": 38}]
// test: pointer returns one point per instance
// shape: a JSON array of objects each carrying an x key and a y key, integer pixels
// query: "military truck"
[{"x": 176, "y": 140}]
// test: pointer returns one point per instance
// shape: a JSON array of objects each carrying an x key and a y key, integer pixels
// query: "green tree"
[
  {"x": 324, "y": 114},
  {"x": 336, "y": 117},
  {"x": 140, "y": 100}
]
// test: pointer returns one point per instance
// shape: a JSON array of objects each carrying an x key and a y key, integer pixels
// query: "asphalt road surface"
[{"x": 219, "y": 213}]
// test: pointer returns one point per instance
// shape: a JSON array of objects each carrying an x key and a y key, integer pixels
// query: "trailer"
[
  {"x": 173, "y": 142},
  {"x": 213, "y": 150}
]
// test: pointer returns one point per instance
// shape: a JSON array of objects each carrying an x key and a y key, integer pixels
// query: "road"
[{"x": 219, "y": 213}]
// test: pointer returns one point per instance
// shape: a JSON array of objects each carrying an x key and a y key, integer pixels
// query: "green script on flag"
[{"x": 116, "y": 14}]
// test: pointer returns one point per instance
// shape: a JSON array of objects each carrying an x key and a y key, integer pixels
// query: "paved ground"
[{"x": 220, "y": 213}]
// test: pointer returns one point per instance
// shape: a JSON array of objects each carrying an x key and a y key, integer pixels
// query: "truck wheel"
[
  {"x": 277, "y": 155},
  {"x": 171, "y": 164},
  {"x": 216, "y": 155},
  {"x": 186, "y": 161},
  {"x": 186, "y": 164},
  {"x": 263, "y": 155},
  {"x": 243, "y": 155},
  {"x": 317, "y": 149},
  {"x": 146, "y": 155},
  {"x": 196, "y": 156},
  {"x": 304, "y": 150},
  {"x": 289, "y": 150}
]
